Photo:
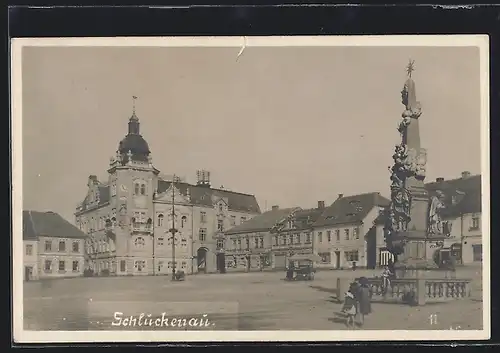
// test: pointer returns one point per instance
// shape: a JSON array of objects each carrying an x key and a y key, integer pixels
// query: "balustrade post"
[{"x": 421, "y": 292}]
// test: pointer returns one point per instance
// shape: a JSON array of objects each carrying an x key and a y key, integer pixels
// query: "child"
[{"x": 350, "y": 305}]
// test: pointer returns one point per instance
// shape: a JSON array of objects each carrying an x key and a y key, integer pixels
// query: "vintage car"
[{"x": 301, "y": 267}]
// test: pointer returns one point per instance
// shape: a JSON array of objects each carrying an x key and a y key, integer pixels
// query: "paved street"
[{"x": 253, "y": 301}]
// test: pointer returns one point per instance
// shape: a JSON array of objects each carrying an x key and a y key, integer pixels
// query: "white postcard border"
[{"x": 24, "y": 336}]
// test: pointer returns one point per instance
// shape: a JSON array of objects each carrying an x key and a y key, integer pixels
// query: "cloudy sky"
[{"x": 292, "y": 125}]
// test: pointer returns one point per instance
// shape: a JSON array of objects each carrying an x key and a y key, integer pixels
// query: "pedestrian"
[
  {"x": 363, "y": 297},
  {"x": 350, "y": 306}
]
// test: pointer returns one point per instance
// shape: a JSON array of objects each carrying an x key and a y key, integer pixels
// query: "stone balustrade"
[{"x": 414, "y": 291}]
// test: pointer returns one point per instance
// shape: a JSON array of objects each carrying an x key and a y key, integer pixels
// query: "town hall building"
[{"x": 129, "y": 217}]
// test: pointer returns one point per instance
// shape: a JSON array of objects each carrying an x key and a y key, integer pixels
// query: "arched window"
[
  {"x": 160, "y": 220},
  {"x": 139, "y": 242},
  {"x": 183, "y": 221},
  {"x": 136, "y": 188},
  {"x": 143, "y": 189}
]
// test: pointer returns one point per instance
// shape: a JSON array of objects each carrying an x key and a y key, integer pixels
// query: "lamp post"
[{"x": 173, "y": 230}]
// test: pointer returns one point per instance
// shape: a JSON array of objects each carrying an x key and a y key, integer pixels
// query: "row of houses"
[
  {"x": 347, "y": 233},
  {"x": 52, "y": 247},
  {"x": 350, "y": 231}
]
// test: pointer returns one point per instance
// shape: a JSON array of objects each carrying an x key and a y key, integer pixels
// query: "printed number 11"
[{"x": 433, "y": 319}]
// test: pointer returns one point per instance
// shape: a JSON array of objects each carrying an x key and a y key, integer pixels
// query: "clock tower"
[{"x": 133, "y": 181}]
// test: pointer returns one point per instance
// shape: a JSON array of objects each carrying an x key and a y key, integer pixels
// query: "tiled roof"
[
  {"x": 461, "y": 196},
  {"x": 263, "y": 222},
  {"x": 304, "y": 219},
  {"x": 202, "y": 195},
  {"x": 50, "y": 224},
  {"x": 351, "y": 209}
]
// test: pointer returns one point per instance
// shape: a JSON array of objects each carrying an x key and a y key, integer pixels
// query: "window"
[
  {"x": 329, "y": 235},
  {"x": 356, "y": 233},
  {"x": 139, "y": 242},
  {"x": 243, "y": 219},
  {"x": 184, "y": 242},
  {"x": 183, "y": 264},
  {"x": 247, "y": 242},
  {"x": 290, "y": 239},
  {"x": 159, "y": 221},
  {"x": 143, "y": 189},
  {"x": 203, "y": 217},
  {"x": 325, "y": 258},
  {"x": 160, "y": 265},
  {"x": 297, "y": 238},
  {"x": 320, "y": 237},
  {"x": 308, "y": 238},
  {"x": 123, "y": 266},
  {"x": 283, "y": 240},
  {"x": 76, "y": 266},
  {"x": 183, "y": 221},
  {"x": 337, "y": 234},
  {"x": 62, "y": 265},
  {"x": 220, "y": 225},
  {"x": 136, "y": 190},
  {"x": 256, "y": 241},
  {"x": 352, "y": 256},
  {"x": 220, "y": 243},
  {"x": 233, "y": 220},
  {"x": 346, "y": 233},
  {"x": 221, "y": 207},
  {"x": 140, "y": 265},
  {"x": 48, "y": 245},
  {"x": 203, "y": 234},
  {"x": 160, "y": 241},
  {"x": 76, "y": 246},
  {"x": 48, "y": 266},
  {"x": 261, "y": 242},
  {"x": 475, "y": 223},
  {"x": 276, "y": 240},
  {"x": 234, "y": 244},
  {"x": 239, "y": 244},
  {"x": 29, "y": 249},
  {"x": 139, "y": 217},
  {"x": 477, "y": 252},
  {"x": 62, "y": 245}
]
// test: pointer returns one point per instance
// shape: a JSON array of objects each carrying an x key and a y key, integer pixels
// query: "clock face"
[{"x": 123, "y": 187}]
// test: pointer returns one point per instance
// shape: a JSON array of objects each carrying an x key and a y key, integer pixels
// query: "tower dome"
[{"x": 134, "y": 143}]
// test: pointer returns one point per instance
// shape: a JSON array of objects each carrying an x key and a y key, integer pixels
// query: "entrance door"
[
  {"x": 202, "y": 260},
  {"x": 28, "y": 270},
  {"x": 221, "y": 263},
  {"x": 337, "y": 259}
]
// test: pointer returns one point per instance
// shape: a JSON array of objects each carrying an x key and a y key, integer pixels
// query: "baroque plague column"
[{"x": 413, "y": 222}]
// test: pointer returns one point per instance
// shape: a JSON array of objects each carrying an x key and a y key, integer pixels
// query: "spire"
[
  {"x": 133, "y": 124},
  {"x": 409, "y": 93}
]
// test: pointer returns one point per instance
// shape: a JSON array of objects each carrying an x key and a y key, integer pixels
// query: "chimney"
[
  {"x": 340, "y": 196},
  {"x": 465, "y": 174},
  {"x": 321, "y": 205},
  {"x": 275, "y": 207},
  {"x": 203, "y": 178},
  {"x": 440, "y": 179}
]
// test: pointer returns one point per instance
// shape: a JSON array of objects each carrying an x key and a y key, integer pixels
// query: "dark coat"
[{"x": 364, "y": 300}]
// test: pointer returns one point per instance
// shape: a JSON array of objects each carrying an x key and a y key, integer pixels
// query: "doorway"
[
  {"x": 337, "y": 259},
  {"x": 202, "y": 260},
  {"x": 221, "y": 263},
  {"x": 28, "y": 272}
]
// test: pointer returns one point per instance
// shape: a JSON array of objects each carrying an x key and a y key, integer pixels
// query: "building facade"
[
  {"x": 130, "y": 217},
  {"x": 293, "y": 235},
  {"x": 344, "y": 234},
  {"x": 461, "y": 218},
  {"x": 248, "y": 247},
  {"x": 53, "y": 247}
]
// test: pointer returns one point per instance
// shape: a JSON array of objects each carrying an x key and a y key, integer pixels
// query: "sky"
[{"x": 291, "y": 125}]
